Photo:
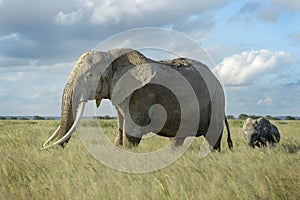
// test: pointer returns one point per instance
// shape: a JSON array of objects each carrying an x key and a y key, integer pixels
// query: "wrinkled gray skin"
[
  {"x": 97, "y": 75},
  {"x": 260, "y": 132}
]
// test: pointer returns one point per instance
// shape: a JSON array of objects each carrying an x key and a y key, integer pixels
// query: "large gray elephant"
[{"x": 139, "y": 88}]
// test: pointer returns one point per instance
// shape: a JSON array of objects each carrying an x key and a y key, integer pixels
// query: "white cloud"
[
  {"x": 12, "y": 36},
  {"x": 68, "y": 19},
  {"x": 112, "y": 11},
  {"x": 36, "y": 89},
  {"x": 265, "y": 101},
  {"x": 15, "y": 77},
  {"x": 55, "y": 89},
  {"x": 36, "y": 95},
  {"x": 246, "y": 67}
]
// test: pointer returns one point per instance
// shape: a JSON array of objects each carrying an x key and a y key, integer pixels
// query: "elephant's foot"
[
  {"x": 119, "y": 138},
  {"x": 177, "y": 141},
  {"x": 130, "y": 141},
  {"x": 217, "y": 145}
]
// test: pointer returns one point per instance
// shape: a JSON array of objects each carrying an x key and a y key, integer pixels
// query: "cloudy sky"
[{"x": 255, "y": 46}]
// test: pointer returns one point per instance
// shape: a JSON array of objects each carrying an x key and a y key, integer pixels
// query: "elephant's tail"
[{"x": 229, "y": 141}]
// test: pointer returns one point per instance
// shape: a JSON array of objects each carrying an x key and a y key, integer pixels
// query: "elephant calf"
[{"x": 260, "y": 132}]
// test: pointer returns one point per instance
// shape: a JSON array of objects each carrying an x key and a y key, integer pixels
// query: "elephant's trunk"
[
  {"x": 68, "y": 112},
  {"x": 66, "y": 115}
]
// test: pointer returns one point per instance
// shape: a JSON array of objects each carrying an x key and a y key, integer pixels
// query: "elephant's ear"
[{"x": 130, "y": 81}]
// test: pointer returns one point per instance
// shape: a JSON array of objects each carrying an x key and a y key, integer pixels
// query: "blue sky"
[{"x": 254, "y": 44}]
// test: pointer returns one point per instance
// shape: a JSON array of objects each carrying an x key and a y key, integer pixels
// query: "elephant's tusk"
[
  {"x": 69, "y": 133},
  {"x": 51, "y": 137}
]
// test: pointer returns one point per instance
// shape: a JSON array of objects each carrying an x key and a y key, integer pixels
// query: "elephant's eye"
[{"x": 88, "y": 74}]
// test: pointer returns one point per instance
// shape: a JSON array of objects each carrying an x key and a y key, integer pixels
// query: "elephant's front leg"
[
  {"x": 119, "y": 137},
  {"x": 130, "y": 138},
  {"x": 177, "y": 141},
  {"x": 122, "y": 138},
  {"x": 130, "y": 141}
]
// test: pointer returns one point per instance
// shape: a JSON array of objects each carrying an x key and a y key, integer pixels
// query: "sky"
[{"x": 255, "y": 46}]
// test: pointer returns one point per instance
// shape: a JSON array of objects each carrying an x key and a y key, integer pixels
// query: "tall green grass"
[{"x": 26, "y": 172}]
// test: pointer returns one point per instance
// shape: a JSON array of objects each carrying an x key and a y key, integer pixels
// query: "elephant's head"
[{"x": 87, "y": 81}]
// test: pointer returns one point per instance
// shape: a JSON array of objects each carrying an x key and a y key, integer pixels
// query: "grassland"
[{"x": 26, "y": 172}]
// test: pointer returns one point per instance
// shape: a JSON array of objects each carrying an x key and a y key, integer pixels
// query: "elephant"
[
  {"x": 260, "y": 132},
  {"x": 139, "y": 88}
]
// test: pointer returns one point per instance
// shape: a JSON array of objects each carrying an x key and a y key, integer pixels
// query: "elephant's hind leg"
[
  {"x": 215, "y": 144},
  {"x": 214, "y": 140}
]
